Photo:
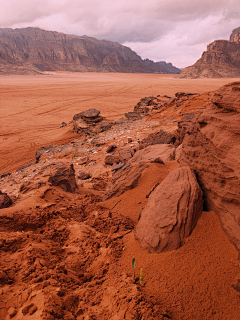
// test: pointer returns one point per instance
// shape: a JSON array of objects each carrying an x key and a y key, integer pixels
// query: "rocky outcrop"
[
  {"x": 160, "y": 137},
  {"x": 124, "y": 179},
  {"x": 90, "y": 116},
  {"x": 211, "y": 147},
  {"x": 171, "y": 212},
  {"x": 164, "y": 151},
  {"x": 221, "y": 59},
  {"x": 32, "y": 50},
  {"x": 64, "y": 175},
  {"x": 235, "y": 36},
  {"x": 82, "y": 175},
  {"x": 5, "y": 200}
]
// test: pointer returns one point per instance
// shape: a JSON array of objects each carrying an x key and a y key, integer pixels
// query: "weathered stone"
[
  {"x": 171, "y": 212},
  {"x": 12, "y": 312},
  {"x": 160, "y": 137},
  {"x": 30, "y": 185},
  {"x": 165, "y": 151},
  {"x": 83, "y": 160},
  {"x": 63, "y": 125},
  {"x": 112, "y": 159},
  {"x": 111, "y": 148},
  {"x": 211, "y": 147},
  {"x": 125, "y": 153},
  {"x": 124, "y": 180},
  {"x": 157, "y": 160},
  {"x": 64, "y": 175},
  {"x": 118, "y": 166},
  {"x": 82, "y": 175},
  {"x": 5, "y": 200},
  {"x": 132, "y": 115},
  {"x": 90, "y": 113}
]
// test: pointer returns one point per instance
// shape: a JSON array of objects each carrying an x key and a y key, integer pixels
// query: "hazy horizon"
[{"x": 173, "y": 31}]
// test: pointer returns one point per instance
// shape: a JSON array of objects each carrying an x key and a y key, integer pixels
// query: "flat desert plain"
[{"x": 32, "y": 108}]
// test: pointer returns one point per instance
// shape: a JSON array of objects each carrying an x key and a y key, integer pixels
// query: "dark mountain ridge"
[{"x": 33, "y": 50}]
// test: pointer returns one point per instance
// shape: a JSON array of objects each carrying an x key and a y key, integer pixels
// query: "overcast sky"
[{"x": 176, "y": 31}]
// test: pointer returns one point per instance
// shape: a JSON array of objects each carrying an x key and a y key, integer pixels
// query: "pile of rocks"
[{"x": 90, "y": 116}]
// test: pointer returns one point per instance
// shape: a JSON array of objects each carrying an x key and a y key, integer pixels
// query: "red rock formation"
[
  {"x": 5, "y": 200},
  {"x": 211, "y": 147},
  {"x": 165, "y": 151},
  {"x": 32, "y": 50},
  {"x": 221, "y": 59},
  {"x": 64, "y": 176},
  {"x": 171, "y": 212},
  {"x": 124, "y": 179}
]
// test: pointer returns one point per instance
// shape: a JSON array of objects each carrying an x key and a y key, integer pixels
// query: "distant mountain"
[
  {"x": 221, "y": 60},
  {"x": 33, "y": 50}
]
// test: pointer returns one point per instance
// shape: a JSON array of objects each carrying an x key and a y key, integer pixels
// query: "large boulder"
[
  {"x": 64, "y": 175},
  {"x": 211, "y": 147},
  {"x": 5, "y": 200},
  {"x": 165, "y": 151},
  {"x": 171, "y": 212}
]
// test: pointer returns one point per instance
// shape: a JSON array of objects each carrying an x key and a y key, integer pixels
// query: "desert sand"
[
  {"x": 69, "y": 256},
  {"x": 32, "y": 108}
]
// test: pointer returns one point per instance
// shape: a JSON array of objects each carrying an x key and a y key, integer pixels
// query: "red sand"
[
  {"x": 193, "y": 282},
  {"x": 33, "y": 107}
]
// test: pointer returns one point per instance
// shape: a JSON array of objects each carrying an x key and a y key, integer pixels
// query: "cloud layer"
[{"x": 176, "y": 31}]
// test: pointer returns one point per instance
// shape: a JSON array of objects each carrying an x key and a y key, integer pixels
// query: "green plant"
[
  {"x": 141, "y": 276},
  {"x": 133, "y": 265}
]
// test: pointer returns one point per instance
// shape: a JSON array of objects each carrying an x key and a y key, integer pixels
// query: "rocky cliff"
[
  {"x": 32, "y": 50},
  {"x": 222, "y": 59},
  {"x": 211, "y": 147}
]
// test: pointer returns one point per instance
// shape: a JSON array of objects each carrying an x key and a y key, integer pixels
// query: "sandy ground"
[
  {"x": 37, "y": 234},
  {"x": 32, "y": 108}
]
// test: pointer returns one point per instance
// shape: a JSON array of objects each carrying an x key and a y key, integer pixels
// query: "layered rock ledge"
[{"x": 211, "y": 147}]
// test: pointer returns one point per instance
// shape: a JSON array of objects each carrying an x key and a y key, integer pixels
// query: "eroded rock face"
[
  {"x": 220, "y": 60},
  {"x": 124, "y": 179},
  {"x": 160, "y": 137},
  {"x": 64, "y": 175},
  {"x": 5, "y": 200},
  {"x": 165, "y": 151},
  {"x": 39, "y": 50},
  {"x": 211, "y": 147},
  {"x": 171, "y": 212}
]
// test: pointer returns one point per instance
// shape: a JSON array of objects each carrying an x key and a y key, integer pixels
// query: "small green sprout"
[
  {"x": 133, "y": 265},
  {"x": 141, "y": 276}
]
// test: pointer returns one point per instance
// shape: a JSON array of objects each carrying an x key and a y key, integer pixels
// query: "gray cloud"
[{"x": 173, "y": 30}]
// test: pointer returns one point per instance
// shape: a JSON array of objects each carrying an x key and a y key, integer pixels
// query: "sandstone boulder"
[
  {"x": 178, "y": 153},
  {"x": 125, "y": 153},
  {"x": 132, "y": 115},
  {"x": 124, "y": 179},
  {"x": 5, "y": 200},
  {"x": 211, "y": 147},
  {"x": 111, "y": 148},
  {"x": 64, "y": 175},
  {"x": 83, "y": 175},
  {"x": 112, "y": 159},
  {"x": 171, "y": 212},
  {"x": 164, "y": 151}
]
